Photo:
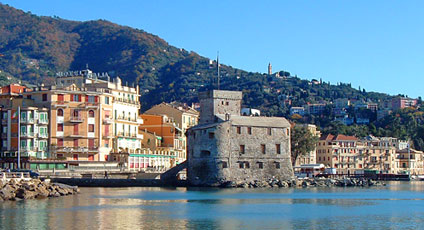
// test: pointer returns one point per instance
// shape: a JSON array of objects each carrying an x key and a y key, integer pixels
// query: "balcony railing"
[
  {"x": 107, "y": 120},
  {"x": 27, "y": 120},
  {"x": 76, "y": 119},
  {"x": 44, "y": 121},
  {"x": 60, "y": 104},
  {"x": 126, "y": 118},
  {"x": 91, "y": 105},
  {"x": 27, "y": 134}
]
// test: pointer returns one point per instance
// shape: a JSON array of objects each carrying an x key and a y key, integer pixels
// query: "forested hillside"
[{"x": 34, "y": 48}]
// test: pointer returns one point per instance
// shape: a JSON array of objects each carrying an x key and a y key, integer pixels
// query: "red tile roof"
[{"x": 339, "y": 137}]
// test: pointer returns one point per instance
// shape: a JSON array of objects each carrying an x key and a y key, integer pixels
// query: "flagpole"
[{"x": 19, "y": 137}]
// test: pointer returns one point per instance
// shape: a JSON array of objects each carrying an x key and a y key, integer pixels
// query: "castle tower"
[
  {"x": 219, "y": 102},
  {"x": 269, "y": 69}
]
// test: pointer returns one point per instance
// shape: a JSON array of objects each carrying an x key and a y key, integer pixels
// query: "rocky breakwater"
[
  {"x": 308, "y": 182},
  {"x": 30, "y": 189}
]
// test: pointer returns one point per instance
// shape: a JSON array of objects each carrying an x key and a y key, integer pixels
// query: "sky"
[{"x": 377, "y": 45}]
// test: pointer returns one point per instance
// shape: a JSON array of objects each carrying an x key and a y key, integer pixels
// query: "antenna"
[
  {"x": 217, "y": 66},
  {"x": 86, "y": 66}
]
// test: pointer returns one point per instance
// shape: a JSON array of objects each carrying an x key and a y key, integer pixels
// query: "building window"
[
  {"x": 60, "y": 97},
  {"x": 277, "y": 165},
  {"x": 227, "y": 103},
  {"x": 249, "y": 130},
  {"x": 269, "y": 131},
  {"x": 91, "y": 157},
  {"x": 260, "y": 165},
  {"x": 241, "y": 165},
  {"x": 278, "y": 148},
  {"x": 75, "y": 114},
  {"x": 205, "y": 153},
  {"x": 211, "y": 135},
  {"x": 75, "y": 157},
  {"x": 60, "y": 112},
  {"x": 75, "y": 142},
  {"x": 60, "y": 142},
  {"x": 238, "y": 130},
  {"x": 242, "y": 149},
  {"x": 44, "y": 97},
  {"x": 75, "y": 97},
  {"x": 91, "y": 113},
  {"x": 263, "y": 149},
  {"x": 107, "y": 100},
  {"x": 224, "y": 165},
  {"x": 246, "y": 164},
  {"x": 91, "y": 128}
]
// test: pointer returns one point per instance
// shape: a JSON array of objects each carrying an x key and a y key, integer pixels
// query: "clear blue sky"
[{"x": 378, "y": 45}]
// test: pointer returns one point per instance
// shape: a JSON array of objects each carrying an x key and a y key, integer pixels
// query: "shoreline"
[{"x": 271, "y": 183}]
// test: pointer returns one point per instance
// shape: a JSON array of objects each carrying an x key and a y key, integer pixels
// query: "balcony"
[
  {"x": 91, "y": 105},
  {"x": 69, "y": 149},
  {"x": 75, "y": 135},
  {"x": 43, "y": 136},
  {"x": 93, "y": 149},
  {"x": 107, "y": 135},
  {"x": 76, "y": 119},
  {"x": 28, "y": 135},
  {"x": 58, "y": 104},
  {"x": 125, "y": 118},
  {"x": 43, "y": 122},
  {"x": 27, "y": 120},
  {"x": 107, "y": 121}
]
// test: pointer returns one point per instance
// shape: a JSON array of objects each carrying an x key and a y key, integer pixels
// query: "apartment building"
[
  {"x": 340, "y": 152},
  {"x": 90, "y": 118},
  {"x": 182, "y": 117},
  {"x": 311, "y": 157}
]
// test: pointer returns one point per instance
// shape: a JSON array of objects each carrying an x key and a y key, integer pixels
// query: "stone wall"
[
  {"x": 219, "y": 102},
  {"x": 215, "y": 156}
]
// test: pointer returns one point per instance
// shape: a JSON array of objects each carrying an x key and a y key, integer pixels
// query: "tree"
[{"x": 302, "y": 142}]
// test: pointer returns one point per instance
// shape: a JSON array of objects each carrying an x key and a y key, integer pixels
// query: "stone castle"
[{"x": 227, "y": 147}]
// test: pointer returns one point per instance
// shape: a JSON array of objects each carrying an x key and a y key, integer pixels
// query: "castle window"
[
  {"x": 249, "y": 130},
  {"x": 224, "y": 164},
  {"x": 260, "y": 165},
  {"x": 238, "y": 130},
  {"x": 241, "y": 165},
  {"x": 246, "y": 164},
  {"x": 269, "y": 131},
  {"x": 227, "y": 103},
  {"x": 277, "y": 165},
  {"x": 278, "y": 148},
  {"x": 242, "y": 149},
  {"x": 263, "y": 148},
  {"x": 211, "y": 135},
  {"x": 205, "y": 153}
]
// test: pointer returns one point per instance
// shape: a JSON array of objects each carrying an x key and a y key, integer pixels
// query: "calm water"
[{"x": 400, "y": 205}]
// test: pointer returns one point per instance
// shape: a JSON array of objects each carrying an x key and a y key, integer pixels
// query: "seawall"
[{"x": 88, "y": 182}]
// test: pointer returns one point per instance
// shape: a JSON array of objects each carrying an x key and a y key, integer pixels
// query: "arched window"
[
  {"x": 60, "y": 112},
  {"x": 91, "y": 113}
]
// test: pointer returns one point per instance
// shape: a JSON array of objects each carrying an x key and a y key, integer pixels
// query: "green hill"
[{"x": 34, "y": 48}]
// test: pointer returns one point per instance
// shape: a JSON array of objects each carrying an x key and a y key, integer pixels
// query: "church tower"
[{"x": 269, "y": 69}]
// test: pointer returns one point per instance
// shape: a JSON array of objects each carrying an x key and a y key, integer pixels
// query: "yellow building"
[{"x": 311, "y": 157}]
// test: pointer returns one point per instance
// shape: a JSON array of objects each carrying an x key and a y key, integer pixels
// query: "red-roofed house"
[{"x": 340, "y": 152}]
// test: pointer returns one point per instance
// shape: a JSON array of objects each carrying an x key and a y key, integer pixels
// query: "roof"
[
  {"x": 339, "y": 137},
  {"x": 410, "y": 151},
  {"x": 274, "y": 122}
]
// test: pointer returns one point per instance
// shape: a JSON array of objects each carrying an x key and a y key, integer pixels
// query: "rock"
[
  {"x": 22, "y": 193},
  {"x": 7, "y": 192}
]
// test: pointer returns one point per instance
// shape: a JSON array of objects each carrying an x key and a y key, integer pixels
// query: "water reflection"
[{"x": 398, "y": 205}]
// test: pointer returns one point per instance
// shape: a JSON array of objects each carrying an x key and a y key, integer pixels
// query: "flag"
[{"x": 15, "y": 115}]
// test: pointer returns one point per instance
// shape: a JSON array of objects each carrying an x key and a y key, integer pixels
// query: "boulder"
[
  {"x": 7, "y": 192},
  {"x": 25, "y": 194}
]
